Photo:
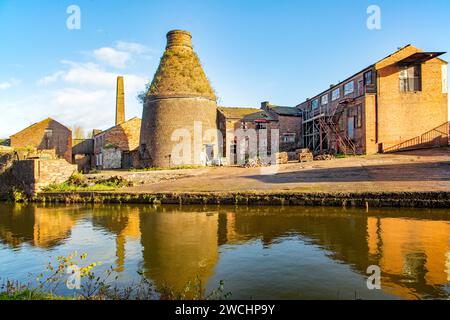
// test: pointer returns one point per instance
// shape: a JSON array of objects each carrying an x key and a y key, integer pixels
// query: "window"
[
  {"x": 358, "y": 123},
  {"x": 324, "y": 100},
  {"x": 315, "y": 104},
  {"x": 336, "y": 94},
  {"x": 243, "y": 125},
  {"x": 288, "y": 137},
  {"x": 48, "y": 138},
  {"x": 356, "y": 114},
  {"x": 261, "y": 126},
  {"x": 341, "y": 123},
  {"x": 368, "y": 78},
  {"x": 349, "y": 88},
  {"x": 411, "y": 78}
]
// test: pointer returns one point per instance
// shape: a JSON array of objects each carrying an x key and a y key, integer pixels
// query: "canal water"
[{"x": 259, "y": 252}]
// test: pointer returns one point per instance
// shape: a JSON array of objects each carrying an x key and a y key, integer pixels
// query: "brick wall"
[
  {"x": 124, "y": 136},
  {"x": 36, "y": 174},
  {"x": 289, "y": 125},
  {"x": 35, "y": 137},
  {"x": 405, "y": 115}
]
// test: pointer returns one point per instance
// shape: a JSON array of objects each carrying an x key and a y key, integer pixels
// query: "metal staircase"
[{"x": 330, "y": 125}]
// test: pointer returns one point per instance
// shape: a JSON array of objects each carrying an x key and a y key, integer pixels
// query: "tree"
[{"x": 78, "y": 132}]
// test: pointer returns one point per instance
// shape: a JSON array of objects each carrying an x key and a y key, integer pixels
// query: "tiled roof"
[{"x": 285, "y": 111}]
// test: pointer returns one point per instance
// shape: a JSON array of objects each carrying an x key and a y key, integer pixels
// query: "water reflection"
[{"x": 262, "y": 252}]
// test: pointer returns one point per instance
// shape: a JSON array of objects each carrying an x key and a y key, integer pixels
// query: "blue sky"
[{"x": 252, "y": 51}]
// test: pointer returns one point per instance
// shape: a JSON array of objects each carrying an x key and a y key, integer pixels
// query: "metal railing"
[{"x": 436, "y": 137}]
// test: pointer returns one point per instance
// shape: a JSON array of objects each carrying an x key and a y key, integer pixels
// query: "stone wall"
[{"x": 32, "y": 175}]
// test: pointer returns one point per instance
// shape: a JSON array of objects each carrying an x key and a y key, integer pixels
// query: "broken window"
[
  {"x": 324, "y": 100},
  {"x": 411, "y": 78}
]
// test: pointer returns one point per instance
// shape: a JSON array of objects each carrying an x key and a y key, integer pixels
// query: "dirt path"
[{"x": 424, "y": 170}]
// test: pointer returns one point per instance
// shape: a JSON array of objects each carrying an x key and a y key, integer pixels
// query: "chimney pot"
[{"x": 179, "y": 38}]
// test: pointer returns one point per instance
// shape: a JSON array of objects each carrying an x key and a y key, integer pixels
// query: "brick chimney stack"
[{"x": 120, "y": 102}]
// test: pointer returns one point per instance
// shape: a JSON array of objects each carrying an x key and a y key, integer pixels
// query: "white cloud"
[
  {"x": 79, "y": 93},
  {"x": 9, "y": 84},
  {"x": 112, "y": 57},
  {"x": 132, "y": 47},
  {"x": 50, "y": 78}
]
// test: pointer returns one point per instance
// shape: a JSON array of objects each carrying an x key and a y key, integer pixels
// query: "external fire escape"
[{"x": 321, "y": 126}]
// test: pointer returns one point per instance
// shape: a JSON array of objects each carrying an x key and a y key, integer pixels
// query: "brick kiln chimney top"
[{"x": 179, "y": 38}]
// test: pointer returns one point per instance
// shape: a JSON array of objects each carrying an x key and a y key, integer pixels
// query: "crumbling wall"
[
  {"x": 112, "y": 158},
  {"x": 30, "y": 176}
]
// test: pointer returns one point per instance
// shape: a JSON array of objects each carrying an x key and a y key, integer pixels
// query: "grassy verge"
[{"x": 78, "y": 182}]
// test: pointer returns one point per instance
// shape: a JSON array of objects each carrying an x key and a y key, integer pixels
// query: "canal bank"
[{"x": 364, "y": 200}]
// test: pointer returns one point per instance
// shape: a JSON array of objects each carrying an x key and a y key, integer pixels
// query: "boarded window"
[
  {"x": 342, "y": 123},
  {"x": 358, "y": 123},
  {"x": 349, "y": 88},
  {"x": 411, "y": 78},
  {"x": 336, "y": 94},
  {"x": 288, "y": 137}
]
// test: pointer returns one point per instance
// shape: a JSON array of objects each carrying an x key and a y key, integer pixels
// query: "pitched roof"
[
  {"x": 286, "y": 111},
  {"x": 236, "y": 113},
  {"x": 260, "y": 114},
  {"x": 48, "y": 120},
  {"x": 132, "y": 119}
]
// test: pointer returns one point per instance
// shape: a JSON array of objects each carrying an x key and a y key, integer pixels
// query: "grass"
[
  {"x": 180, "y": 72},
  {"x": 78, "y": 182},
  {"x": 66, "y": 187},
  {"x": 30, "y": 294},
  {"x": 95, "y": 287}
]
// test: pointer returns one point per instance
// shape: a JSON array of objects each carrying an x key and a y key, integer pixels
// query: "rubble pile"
[
  {"x": 281, "y": 157},
  {"x": 322, "y": 157},
  {"x": 304, "y": 155}
]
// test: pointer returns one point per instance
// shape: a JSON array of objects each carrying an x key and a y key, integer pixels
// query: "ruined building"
[
  {"x": 397, "y": 103},
  {"x": 47, "y": 138},
  {"x": 179, "y": 101},
  {"x": 114, "y": 148}
]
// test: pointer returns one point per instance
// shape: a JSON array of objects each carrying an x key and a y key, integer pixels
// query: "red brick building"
[
  {"x": 397, "y": 103},
  {"x": 47, "y": 135},
  {"x": 270, "y": 117},
  {"x": 113, "y": 148}
]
